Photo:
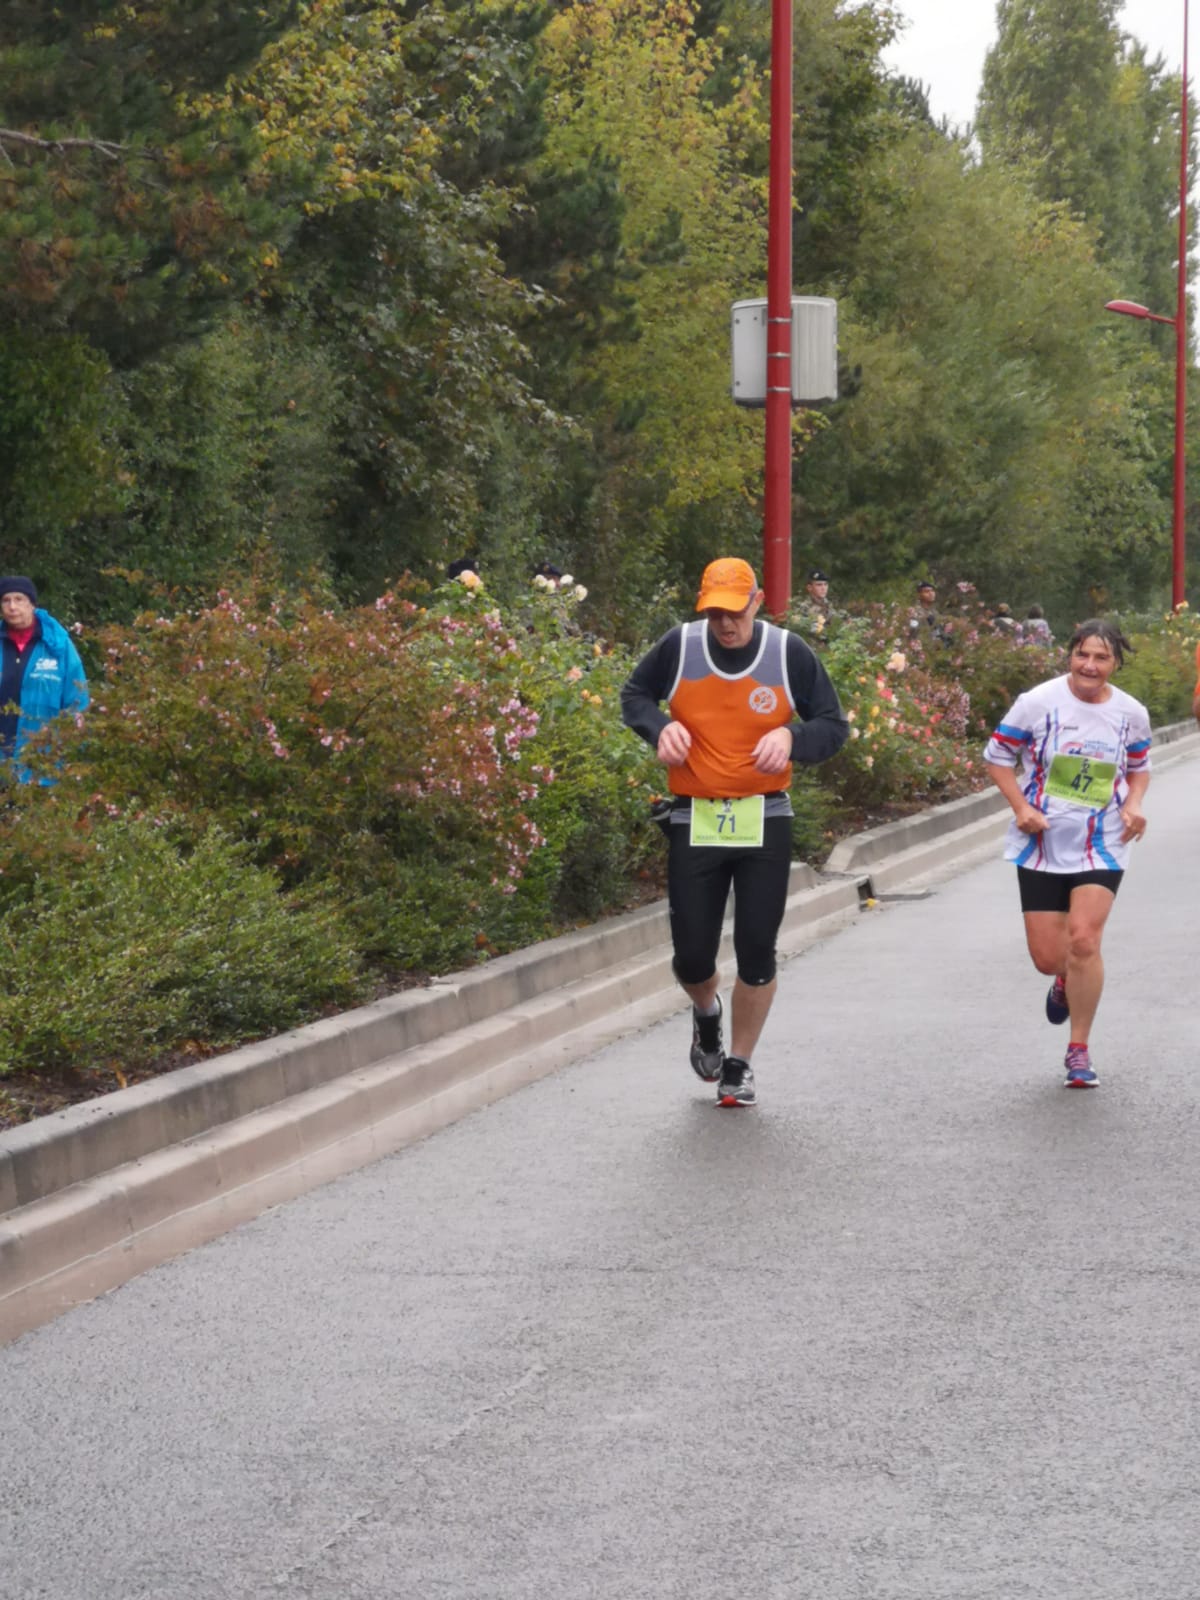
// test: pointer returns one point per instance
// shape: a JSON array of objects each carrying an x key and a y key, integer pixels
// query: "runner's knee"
[
  {"x": 693, "y": 970},
  {"x": 1084, "y": 943},
  {"x": 757, "y": 971}
]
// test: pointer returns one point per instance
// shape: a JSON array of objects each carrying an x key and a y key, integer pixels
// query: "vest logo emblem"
[{"x": 763, "y": 700}]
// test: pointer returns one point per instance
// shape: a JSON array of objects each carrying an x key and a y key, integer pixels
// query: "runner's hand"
[
  {"x": 1134, "y": 821},
  {"x": 674, "y": 745},
  {"x": 773, "y": 751},
  {"x": 1031, "y": 820}
]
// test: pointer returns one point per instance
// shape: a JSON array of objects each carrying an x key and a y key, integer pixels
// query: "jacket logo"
[
  {"x": 46, "y": 664},
  {"x": 763, "y": 700}
]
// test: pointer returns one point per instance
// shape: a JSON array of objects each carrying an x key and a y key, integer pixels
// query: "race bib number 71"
[{"x": 728, "y": 822}]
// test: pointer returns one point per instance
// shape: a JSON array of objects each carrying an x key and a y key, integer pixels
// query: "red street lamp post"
[
  {"x": 777, "y": 496},
  {"x": 1130, "y": 308}
]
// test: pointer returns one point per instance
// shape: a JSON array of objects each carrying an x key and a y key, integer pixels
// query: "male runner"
[{"x": 745, "y": 701}]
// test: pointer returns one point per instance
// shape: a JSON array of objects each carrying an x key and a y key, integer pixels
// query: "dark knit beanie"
[{"x": 18, "y": 586}]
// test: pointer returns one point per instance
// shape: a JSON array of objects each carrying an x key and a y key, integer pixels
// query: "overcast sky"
[{"x": 946, "y": 40}]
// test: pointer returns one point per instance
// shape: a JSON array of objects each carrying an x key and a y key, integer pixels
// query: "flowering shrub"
[
  {"x": 433, "y": 780},
  {"x": 589, "y": 781},
  {"x": 920, "y": 702},
  {"x": 597, "y": 782},
  {"x": 905, "y": 731},
  {"x": 1161, "y": 670},
  {"x": 339, "y": 746}
]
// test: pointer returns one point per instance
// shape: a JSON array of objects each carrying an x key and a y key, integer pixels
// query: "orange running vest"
[{"x": 727, "y": 714}]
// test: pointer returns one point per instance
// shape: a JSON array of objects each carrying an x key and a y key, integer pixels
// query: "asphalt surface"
[{"x": 924, "y": 1324}]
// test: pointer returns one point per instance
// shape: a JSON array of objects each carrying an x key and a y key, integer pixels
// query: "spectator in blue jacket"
[{"x": 41, "y": 674}]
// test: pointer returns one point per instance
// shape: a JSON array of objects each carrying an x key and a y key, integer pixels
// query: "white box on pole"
[{"x": 814, "y": 350}]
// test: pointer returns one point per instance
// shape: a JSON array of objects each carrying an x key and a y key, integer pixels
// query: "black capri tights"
[{"x": 698, "y": 882}]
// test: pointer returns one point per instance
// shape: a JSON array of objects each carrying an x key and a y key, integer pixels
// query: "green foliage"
[
  {"x": 386, "y": 285},
  {"x": 134, "y": 947},
  {"x": 814, "y": 810},
  {"x": 294, "y": 160},
  {"x": 54, "y": 443},
  {"x": 1160, "y": 671},
  {"x": 124, "y": 211},
  {"x": 992, "y": 432},
  {"x": 626, "y": 106},
  {"x": 314, "y": 735},
  {"x": 920, "y": 705},
  {"x": 378, "y": 119},
  {"x": 595, "y": 783},
  {"x": 1070, "y": 99}
]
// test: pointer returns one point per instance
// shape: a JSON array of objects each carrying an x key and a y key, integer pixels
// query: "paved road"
[{"x": 923, "y": 1325}]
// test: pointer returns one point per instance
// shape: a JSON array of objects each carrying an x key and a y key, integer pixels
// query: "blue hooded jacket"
[{"x": 54, "y": 681}]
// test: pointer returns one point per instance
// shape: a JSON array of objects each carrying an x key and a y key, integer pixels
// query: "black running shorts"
[{"x": 1051, "y": 891}]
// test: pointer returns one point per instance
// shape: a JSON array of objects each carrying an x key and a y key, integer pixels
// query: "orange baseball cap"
[{"x": 728, "y": 584}]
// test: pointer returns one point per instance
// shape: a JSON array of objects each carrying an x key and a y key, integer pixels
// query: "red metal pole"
[
  {"x": 777, "y": 499},
  {"x": 1177, "y": 537}
]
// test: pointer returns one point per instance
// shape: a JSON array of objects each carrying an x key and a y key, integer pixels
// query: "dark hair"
[
  {"x": 1035, "y": 611},
  {"x": 1097, "y": 628}
]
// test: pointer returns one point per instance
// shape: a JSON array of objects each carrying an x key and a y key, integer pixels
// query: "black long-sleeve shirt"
[{"x": 820, "y": 733}]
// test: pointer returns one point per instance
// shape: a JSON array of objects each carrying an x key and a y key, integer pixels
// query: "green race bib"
[
  {"x": 728, "y": 822},
  {"x": 1080, "y": 781}
]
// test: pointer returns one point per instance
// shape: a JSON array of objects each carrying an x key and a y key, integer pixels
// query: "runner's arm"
[
  {"x": 1132, "y": 816},
  {"x": 1029, "y": 818},
  {"x": 648, "y": 685},
  {"x": 823, "y": 729}
]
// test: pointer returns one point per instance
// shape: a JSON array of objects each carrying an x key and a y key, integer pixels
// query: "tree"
[
  {"x": 123, "y": 212},
  {"x": 1073, "y": 102},
  {"x": 628, "y": 118},
  {"x": 306, "y": 175},
  {"x": 995, "y": 434}
]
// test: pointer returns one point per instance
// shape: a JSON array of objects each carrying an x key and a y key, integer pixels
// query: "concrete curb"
[{"x": 91, "y": 1196}]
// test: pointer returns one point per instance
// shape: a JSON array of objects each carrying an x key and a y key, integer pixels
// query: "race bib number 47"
[
  {"x": 1080, "y": 781},
  {"x": 728, "y": 822}
]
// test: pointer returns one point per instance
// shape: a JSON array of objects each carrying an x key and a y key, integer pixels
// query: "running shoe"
[
  {"x": 1079, "y": 1069},
  {"x": 736, "y": 1087},
  {"x": 708, "y": 1045},
  {"x": 1057, "y": 1009}
]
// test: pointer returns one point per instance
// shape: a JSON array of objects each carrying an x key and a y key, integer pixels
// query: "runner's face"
[
  {"x": 734, "y": 628},
  {"x": 1092, "y": 665}
]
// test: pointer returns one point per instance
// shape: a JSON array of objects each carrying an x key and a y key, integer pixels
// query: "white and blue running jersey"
[{"x": 1075, "y": 757}]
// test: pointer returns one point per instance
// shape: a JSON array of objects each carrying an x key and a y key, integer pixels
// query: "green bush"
[
  {"x": 139, "y": 948},
  {"x": 1160, "y": 671},
  {"x": 422, "y": 912},
  {"x": 304, "y": 730},
  {"x": 814, "y": 809},
  {"x": 595, "y": 781}
]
